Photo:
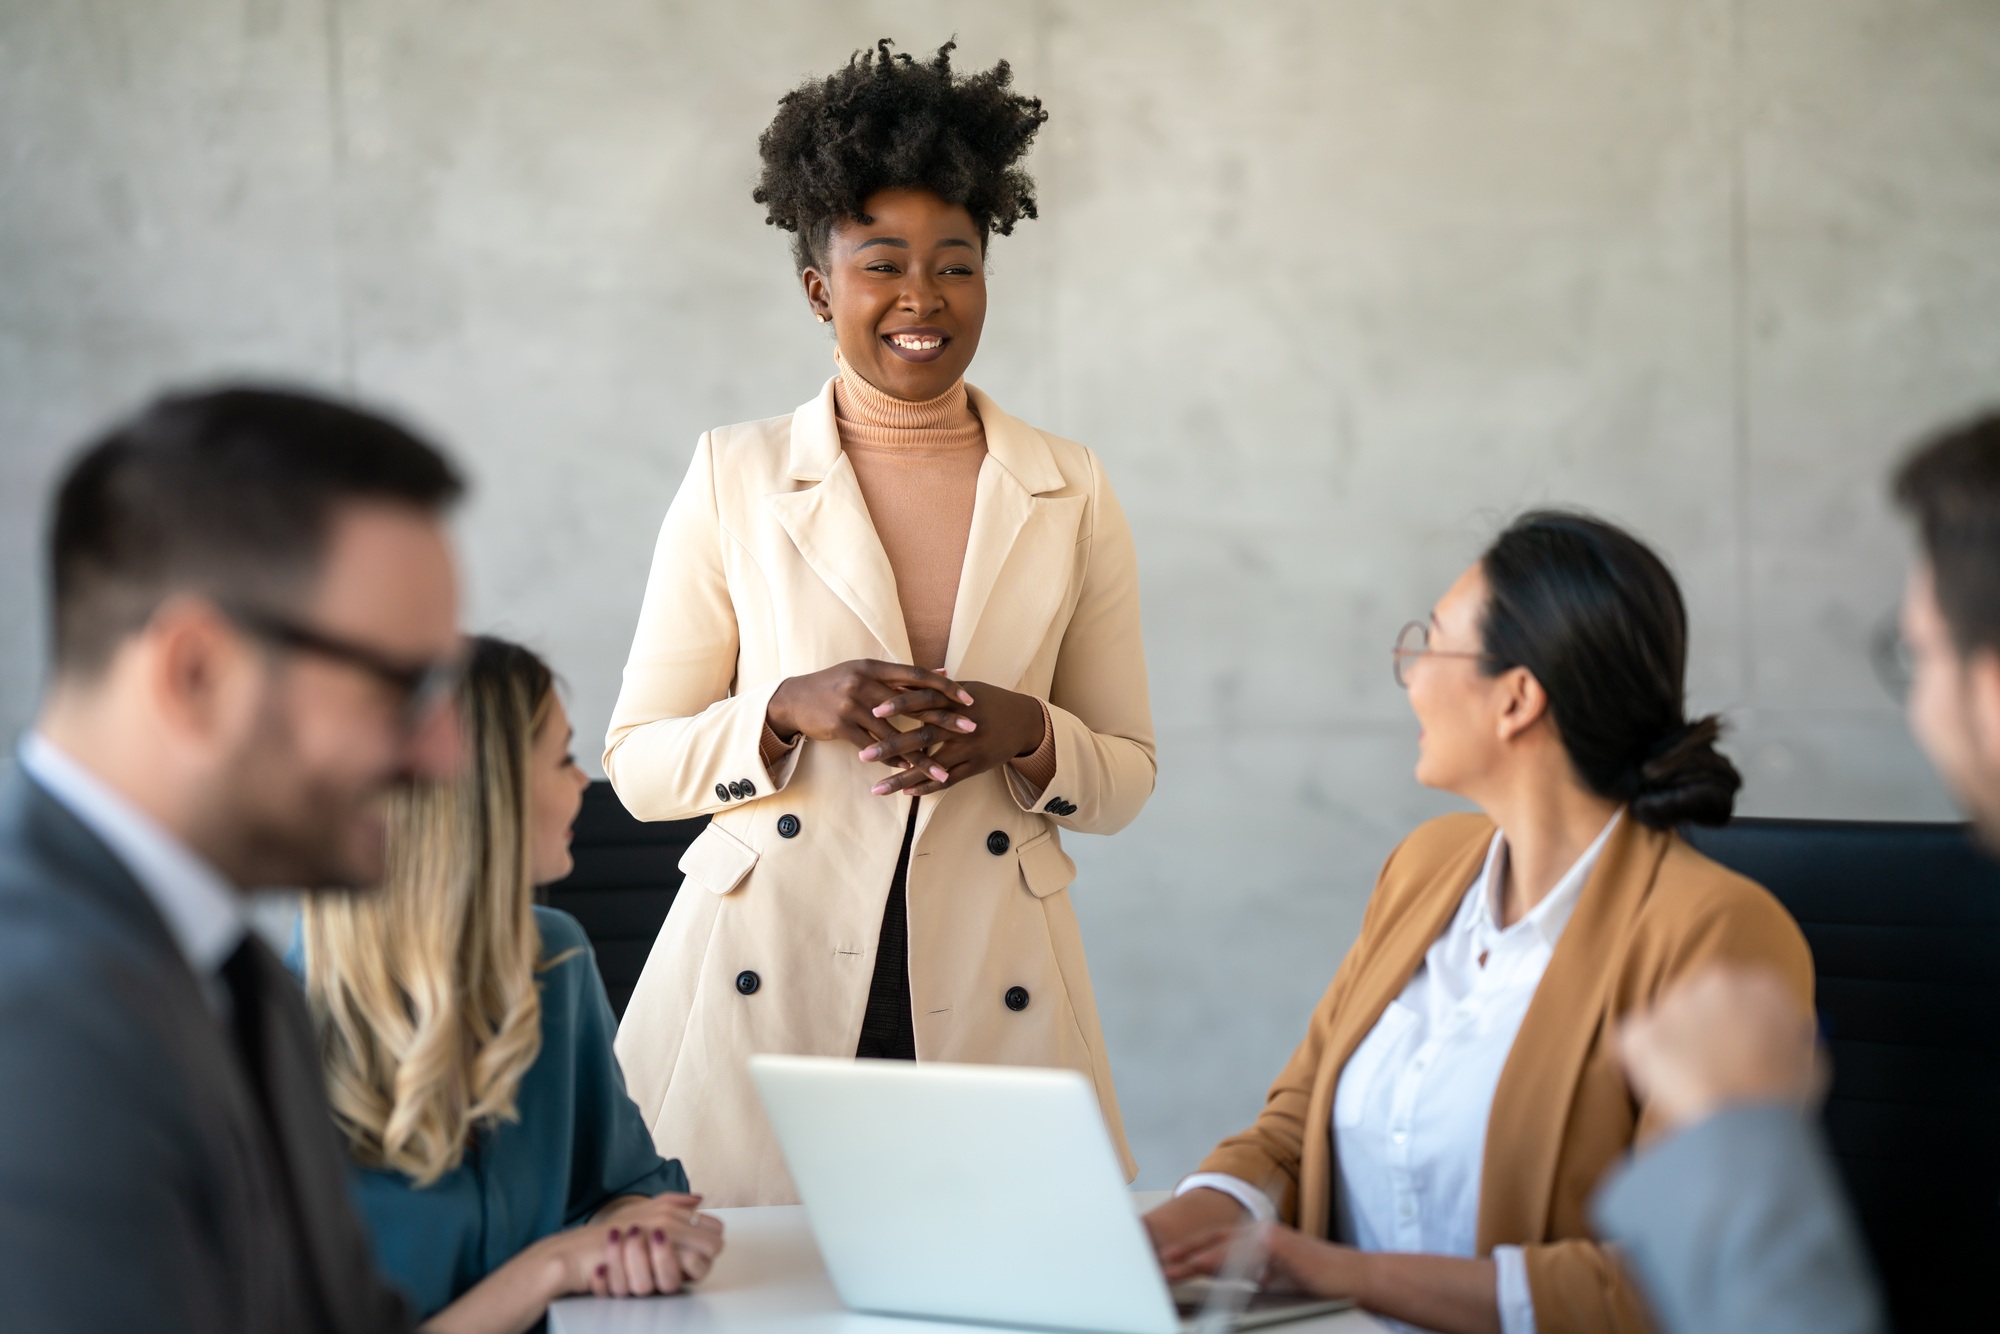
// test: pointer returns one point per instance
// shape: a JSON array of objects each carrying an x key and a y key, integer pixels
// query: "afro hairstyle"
[{"x": 887, "y": 122}]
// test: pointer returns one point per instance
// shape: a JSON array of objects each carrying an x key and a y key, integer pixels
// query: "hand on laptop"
[
  {"x": 1725, "y": 1037},
  {"x": 1199, "y": 1213},
  {"x": 1294, "y": 1262}
]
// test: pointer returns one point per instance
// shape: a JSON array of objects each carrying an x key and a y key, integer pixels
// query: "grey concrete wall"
[{"x": 1332, "y": 287}]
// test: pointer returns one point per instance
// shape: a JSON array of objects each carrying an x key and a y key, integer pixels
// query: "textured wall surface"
[{"x": 1332, "y": 287}]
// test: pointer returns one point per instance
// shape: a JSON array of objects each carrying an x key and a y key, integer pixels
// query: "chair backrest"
[
  {"x": 1904, "y": 923},
  {"x": 626, "y": 874}
]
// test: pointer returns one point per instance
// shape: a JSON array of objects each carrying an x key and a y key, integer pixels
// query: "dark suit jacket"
[{"x": 146, "y": 1180}]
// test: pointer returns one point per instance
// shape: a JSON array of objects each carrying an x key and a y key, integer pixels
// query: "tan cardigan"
[{"x": 1653, "y": 911}]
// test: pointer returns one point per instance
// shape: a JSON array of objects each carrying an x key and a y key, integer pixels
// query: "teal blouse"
[{"x": 579, "y": 1143}]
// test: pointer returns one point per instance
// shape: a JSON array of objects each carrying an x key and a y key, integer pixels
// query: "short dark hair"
[
  {"x": 886, "y": 122},
  {"x": 1596, "y": 616},
  {"x": 226, "y": 493},
  {"x": 1950, "y": 484}
]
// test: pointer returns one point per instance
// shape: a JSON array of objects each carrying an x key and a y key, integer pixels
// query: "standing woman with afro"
[{"x": 891, "y": 643}]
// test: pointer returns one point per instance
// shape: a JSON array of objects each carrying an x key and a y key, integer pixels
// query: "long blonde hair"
[{"x": 424, "y": 993}]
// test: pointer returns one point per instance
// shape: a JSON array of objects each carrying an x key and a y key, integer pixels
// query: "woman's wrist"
[
  {"x": 1360, "y": 1276},
  {"x": 549, "y": 1272},
  {"x": 775, "y": 715},
  {"x": 1028, "y": 723}
]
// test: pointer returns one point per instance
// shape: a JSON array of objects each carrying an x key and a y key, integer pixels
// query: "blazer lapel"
[
  {"x": 1391, "y": 964},
  {"x": 829, "y": 524},
  {"x": 1532, "y": 1101},
  {"x": 1018, "y": 556}
]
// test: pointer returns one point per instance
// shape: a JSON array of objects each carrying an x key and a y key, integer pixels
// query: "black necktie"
[{"x": 241, "y": 974}]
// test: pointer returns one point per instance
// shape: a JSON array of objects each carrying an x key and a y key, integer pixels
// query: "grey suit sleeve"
[{"x": 1738, "y": 1224}]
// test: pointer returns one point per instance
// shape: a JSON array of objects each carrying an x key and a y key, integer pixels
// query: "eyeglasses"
[
  {"x": 1889, "y": 654},
  {"x": 1413, "y": 642},
  {"x": 424, "y": 687}
]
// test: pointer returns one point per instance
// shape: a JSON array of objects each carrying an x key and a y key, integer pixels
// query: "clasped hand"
[
  {"x": 934, "y": 731},
  {"x": 658, "y": 1245}
]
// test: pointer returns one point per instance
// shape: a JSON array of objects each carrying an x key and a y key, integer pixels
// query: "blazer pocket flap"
[
  {"x": 1045, "y": 867},
  {"x": 717, "y": 860}
]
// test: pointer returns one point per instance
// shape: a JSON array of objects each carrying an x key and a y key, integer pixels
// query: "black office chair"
[
  {"x": 1904, "y": 923},
  {"x": 626, "y": 874}
]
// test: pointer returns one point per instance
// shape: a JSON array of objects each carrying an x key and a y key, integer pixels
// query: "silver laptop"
[{"x": 979, "y": 1192}]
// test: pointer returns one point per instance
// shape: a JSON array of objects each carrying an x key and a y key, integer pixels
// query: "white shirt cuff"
[
  {"x": 1256, "y": 1201},
  {"x": 1517, "y": 1304}
]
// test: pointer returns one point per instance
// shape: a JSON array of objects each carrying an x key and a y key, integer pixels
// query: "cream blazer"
[{"x": 768, "y": 567}]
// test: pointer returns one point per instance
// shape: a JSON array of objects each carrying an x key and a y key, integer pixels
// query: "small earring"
[{"x": 822, "y": 319}]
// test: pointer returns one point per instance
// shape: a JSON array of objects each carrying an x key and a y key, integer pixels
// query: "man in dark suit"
[
  {"x": 1736, "y": 1221},
  {"x": 255, "y": 642}
]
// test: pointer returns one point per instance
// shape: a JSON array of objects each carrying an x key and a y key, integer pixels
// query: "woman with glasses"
[
  {"x": 465, "y": 1039},
  {"x": 1431, "y": 1147}
]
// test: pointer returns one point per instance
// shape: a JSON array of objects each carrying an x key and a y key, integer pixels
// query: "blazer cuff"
[
  {"x": 737, "y": 770},
  {"x": 1066, "y": 742}
]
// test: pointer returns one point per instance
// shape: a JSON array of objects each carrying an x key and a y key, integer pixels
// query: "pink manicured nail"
[
  {"x": 967, "y": 725},
  {"x": 939, "y": 774},
  {"x": 872, "y": 753},
  {"x": 880, "y": 789},
  {"x": 883, "y": 709}
]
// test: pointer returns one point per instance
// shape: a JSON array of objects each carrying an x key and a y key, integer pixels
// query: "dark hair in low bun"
[{"x": 1596, "y": 616}]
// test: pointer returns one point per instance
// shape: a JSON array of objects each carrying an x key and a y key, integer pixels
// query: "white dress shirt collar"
[
  {"x": 203, "y": 913},
  {"x": 1551, "y": 915}
]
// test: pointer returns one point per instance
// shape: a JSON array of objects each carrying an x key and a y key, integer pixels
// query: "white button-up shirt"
[
  {"x": 1410, "y": 1111},
  {"x": 203, "y": 913}
]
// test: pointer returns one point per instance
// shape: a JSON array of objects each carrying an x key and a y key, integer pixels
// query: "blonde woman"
[{"x": 466, "y": 1042}]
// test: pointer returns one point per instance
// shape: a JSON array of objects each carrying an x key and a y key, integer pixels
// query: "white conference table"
[{"x": 770, "y": 1277}]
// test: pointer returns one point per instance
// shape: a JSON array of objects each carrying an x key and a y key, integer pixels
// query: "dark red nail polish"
[
  {"x": 660, "y": 1236},
  {"x": 602, "y": 1271}
]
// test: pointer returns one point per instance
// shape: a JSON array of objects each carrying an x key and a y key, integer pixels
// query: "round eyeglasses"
[{"x": 1413, "y": 642}]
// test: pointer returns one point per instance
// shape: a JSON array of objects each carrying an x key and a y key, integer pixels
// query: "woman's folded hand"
[
  {"x": 843, "y": 703},
  {"x": 658, "y": 1246}
]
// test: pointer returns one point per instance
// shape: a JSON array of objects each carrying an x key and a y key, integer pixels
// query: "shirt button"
[
  {"x": 736, "y": 790},
  {"x": 1401, "y": 1137},
  {"x": 788, "y": 826},
  {"x": 749, "y": 788},
  {"x": 747, "y": 982},
  {"x": 1016, "y": 998},
  {"x": 997, "y": 843},
  {"x": 722, "y": 792}
]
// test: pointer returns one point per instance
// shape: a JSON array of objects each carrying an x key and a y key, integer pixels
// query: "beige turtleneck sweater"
[{"x": 918, "y": 466}]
